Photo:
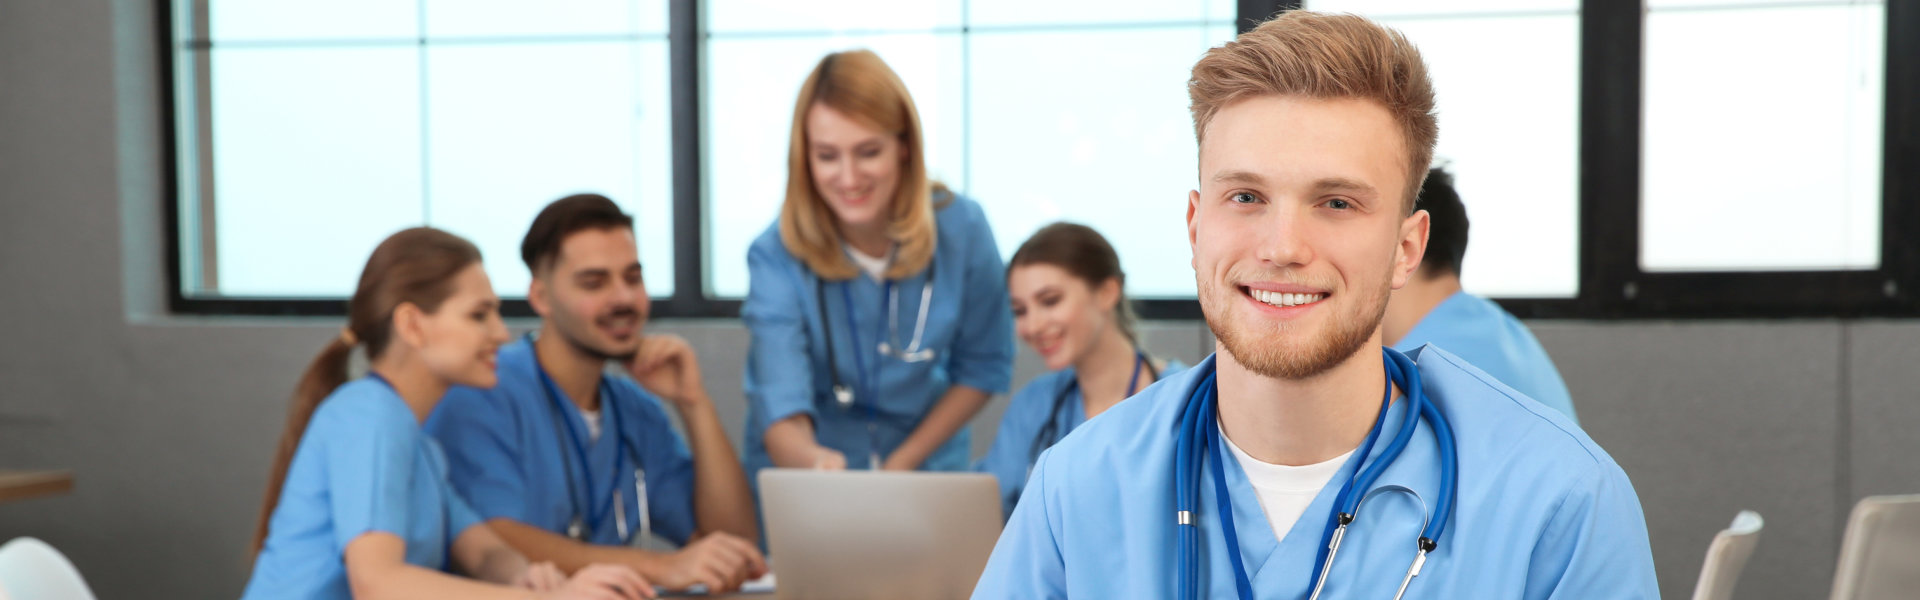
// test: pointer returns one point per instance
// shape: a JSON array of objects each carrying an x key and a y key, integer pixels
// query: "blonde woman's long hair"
[{"x": 858, "y": 84}]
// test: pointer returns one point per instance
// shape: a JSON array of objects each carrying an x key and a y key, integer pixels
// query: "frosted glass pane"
[
  {"x": 737, "y": 16},
  {"x": 278, "y": 20},
  {"x": 752, "y": 84},
  {"x": 989, "y": 13},
  {"x": 514, "y": 127},
  {"x": 1387, "y": 8},
  {"x": 1091, "y": 127},
  {"x": 1772, "y": 162},
  {"x": 1685, "y": 4},
  {"x": 1512, "y": 144},
  {"x": 476, "y": 18},
  {"x": 317, "y": 158}
]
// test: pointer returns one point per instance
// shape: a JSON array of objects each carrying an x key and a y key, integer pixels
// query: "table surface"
[{"x": 21, "y": 485}]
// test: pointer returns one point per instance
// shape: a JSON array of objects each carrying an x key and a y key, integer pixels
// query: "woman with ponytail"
[
  {"x": 358, "y": 504},
  {"x": 1070, "y": 306}
]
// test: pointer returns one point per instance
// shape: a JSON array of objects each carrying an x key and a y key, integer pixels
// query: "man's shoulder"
[{"x": 1492, "y": 419}]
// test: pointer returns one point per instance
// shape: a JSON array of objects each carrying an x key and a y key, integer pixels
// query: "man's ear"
[
  {"x": 1412, "y": 247},
  {"x": 1193, "y": 228},
  {"x": 537, "y": 295}
]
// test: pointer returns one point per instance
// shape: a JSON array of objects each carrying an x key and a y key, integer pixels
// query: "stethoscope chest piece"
[{"x": 843, "y": 395}]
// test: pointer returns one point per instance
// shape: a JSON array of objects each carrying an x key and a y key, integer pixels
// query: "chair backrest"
[
  {"x": 32, "y": 570},
  {"x": 1880, "y": 555},
  {"x": 1727, "y": 556}
]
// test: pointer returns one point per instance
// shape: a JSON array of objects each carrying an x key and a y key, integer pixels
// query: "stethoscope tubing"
[{"x": 1196, "y": 435}]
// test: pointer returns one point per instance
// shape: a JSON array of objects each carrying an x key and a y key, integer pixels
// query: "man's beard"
[{"x": 1258, "y": 352}]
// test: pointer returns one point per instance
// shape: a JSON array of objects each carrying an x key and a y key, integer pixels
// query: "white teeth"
[{"x": 1286, "y": 299}]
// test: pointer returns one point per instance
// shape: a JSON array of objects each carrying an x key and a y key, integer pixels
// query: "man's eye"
[
  {"x": 1245, "y": 198},
  {"x": 1339, "y": 204}
]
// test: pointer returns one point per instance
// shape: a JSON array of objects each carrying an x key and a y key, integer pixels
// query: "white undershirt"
[
  {"x": 874, "y": 266},
  {"x": 1285, "y": 491},
  {"x": 592, "y": 418}
]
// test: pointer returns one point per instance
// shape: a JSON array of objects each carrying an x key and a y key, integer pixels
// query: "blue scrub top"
[
  {"x": 362, "y": 466},
  {"x": 1542, "y": 511},
  {"x": 969, "y": 327},
  {"x": 506, "y": 447},
  {"x": 1011, "y": 457},
  {"x": 1484, "y": 334}
]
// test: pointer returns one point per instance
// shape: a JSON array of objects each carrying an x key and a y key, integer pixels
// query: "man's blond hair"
[{"x": 1323, "y": 56}]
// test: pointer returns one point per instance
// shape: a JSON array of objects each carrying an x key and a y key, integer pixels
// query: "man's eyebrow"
[
  {"x": 1341, "y": 184},
  {"x": 1239, "y": 176}
]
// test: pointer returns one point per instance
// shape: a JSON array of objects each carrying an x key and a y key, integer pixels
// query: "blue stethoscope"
[
  {"x": 1199, "y": 437},
  {"x": 585, "y": 518},
  {"x": 843, "y": 394},
  {"x": 1050, "y": 434}
]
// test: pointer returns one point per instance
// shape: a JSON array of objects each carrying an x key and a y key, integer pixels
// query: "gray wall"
[{"x": 168, "y": 420}]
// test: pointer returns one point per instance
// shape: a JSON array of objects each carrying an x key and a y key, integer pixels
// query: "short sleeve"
[
  {"x": 779, "y": 372},
  {"x": 1027, "y": 561},
  {"x": 1011, "y": 455},
  {"x": 371, "y": 458},
  {"x": 1595, "y": 546},
  {"x": 982, "y": 355},
  {"x": 483, "y": 454}
]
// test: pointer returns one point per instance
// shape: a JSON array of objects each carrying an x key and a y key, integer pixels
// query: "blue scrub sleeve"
[
  {"x": 483, "y": 454},
  {"x": 1010, "y": 455},
  {"x": 669, "y": 475},
  {"x": 1595, "y": 546},
  {"x": 1027, "y": 562},
  {"x": 779, "y": 374},
  {"x": 460, "y": 517},
  {"x": 370, "y": 471},
  {"x": 982, "y": 355}
]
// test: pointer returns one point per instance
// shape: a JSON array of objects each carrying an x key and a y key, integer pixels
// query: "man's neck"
[
  {"x": 1301, "y": 422},
  {"x": 419, "y": 388},
  {"x": 1103, "y": 371},
  {"x": 1411, "y": 303},
  {"x": 573, "y": 370}
]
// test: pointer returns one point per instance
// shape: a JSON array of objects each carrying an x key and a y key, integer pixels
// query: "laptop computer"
[{"x": 868, "y": 534}]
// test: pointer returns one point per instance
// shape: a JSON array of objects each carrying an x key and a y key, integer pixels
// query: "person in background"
[
  {"x": 577, "y": 466},
  {"x": 1070, "y": 305},
  {"x": 358, "y": 504},
  {"x": 877, "y": 302},
  {"x": 1432, "y": 309}
]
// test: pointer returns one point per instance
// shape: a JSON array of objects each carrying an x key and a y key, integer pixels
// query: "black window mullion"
[
  {"x": 1900, "y": 162},
  {"x": 1611, "y": 50}
]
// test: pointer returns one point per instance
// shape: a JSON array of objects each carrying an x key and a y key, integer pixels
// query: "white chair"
[
  {"x": 32, "y": 570},
  {"x": 1880, "y": 555},
  {"x": 1727, "y": 556}
]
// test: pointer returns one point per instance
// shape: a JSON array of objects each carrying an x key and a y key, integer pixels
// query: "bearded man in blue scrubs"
[
  {"x": 1432, "y": 309},
  {"x": 576, "y": 466},
  {"x": 1315, "y": 132}
]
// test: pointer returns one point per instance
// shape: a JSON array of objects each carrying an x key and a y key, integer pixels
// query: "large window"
[
  {"x": 1618, "y": 159},
  {"x": 307, "y": 132},
  {"x": 1509, "y": 131},
  {"x": 1040, "y": 111}
]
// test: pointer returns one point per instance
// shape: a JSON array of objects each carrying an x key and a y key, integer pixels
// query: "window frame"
[{"x": 1611, "y": 283}]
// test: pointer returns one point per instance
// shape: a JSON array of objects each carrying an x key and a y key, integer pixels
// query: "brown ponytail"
[
  {"x": 415, "y": 266},
  {"x": 1083, "y": 253}
]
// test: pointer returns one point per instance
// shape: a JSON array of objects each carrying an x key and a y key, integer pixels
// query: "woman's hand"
[
  {"x": 541, "y": 577},
  {"x": 603, "y": 582}
]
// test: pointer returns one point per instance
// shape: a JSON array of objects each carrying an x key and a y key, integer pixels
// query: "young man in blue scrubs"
[
  {"x": 576, "y": 466},
  {"x": 1315, "y": 132},
  {"x": 1432, "y": 309}
]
